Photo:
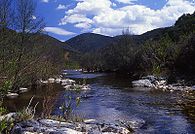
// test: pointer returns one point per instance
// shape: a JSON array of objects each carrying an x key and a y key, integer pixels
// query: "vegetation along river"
[{"x": 112, "y": 98}]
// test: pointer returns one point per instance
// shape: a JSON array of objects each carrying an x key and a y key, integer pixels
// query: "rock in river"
[
  {"x": 12, "y": 95},
  {"x": 142, "y": 83},
  {"x": 51, "y": 80},
  {"x": 23, "y": 90}
]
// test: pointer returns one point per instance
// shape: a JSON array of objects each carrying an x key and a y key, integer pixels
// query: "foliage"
[
  {"x": 67, "y": 107},
  {"x": 26, "y": 55},
  {"x": 3, "y": 125},
  {"x": 7, "y": 85},
  {"x": 185, "y": 63},
  {"x": 23, "y": 115},
  {"x": 185, "y": 24},
  {"x": 71, "y": 65},
  {"x": 116, "y": 57},
  {"x": 157, "y": 55},
  {"x": 159, "y": 52},
  {"x": 6, "y": 126},
  {"x": 2, "y": 109}
]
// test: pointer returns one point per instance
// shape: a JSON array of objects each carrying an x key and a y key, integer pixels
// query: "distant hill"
[
  {"x": 150, "y": 35},
  {"x": 88, "y": 42},
  {"x": 45, "y": 39}
]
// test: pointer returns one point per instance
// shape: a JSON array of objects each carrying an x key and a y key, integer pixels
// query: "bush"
[
  {"x": 2, "y": 109},
  {"x": 7, "y": 85}
]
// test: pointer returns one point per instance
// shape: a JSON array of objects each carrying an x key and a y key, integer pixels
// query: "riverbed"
[{"x": 112, "y": 98}]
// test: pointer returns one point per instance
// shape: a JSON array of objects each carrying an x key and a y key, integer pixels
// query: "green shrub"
[
  {"x": 2, "y": 109},
  {"x": 67, "y": 107},
  {"x": 23, "y": 115},
  {"x": 3, "y": 125},
  {"x": 6, "y": 126},
  {"x": 7, "y": 85}
]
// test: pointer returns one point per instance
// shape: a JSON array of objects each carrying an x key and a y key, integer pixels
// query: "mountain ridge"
[{"x": 88, "y": 41}]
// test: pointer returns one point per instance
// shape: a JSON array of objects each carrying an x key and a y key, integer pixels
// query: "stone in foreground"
[{"x": 48, "y": 126}]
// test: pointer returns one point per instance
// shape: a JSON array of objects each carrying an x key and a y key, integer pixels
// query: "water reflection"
[
  {"x": 45, "y": 95},
  {"x": 187, "y": 103}
]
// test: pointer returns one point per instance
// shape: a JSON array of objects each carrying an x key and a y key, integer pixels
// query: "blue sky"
[{"x": 67, "y": 18}]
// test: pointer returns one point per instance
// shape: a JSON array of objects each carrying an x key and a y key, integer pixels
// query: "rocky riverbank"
[
  {"x": 161, "y": 83},
  {"x": 67, "y": 84},
  {"x": 90, "y": 126}
]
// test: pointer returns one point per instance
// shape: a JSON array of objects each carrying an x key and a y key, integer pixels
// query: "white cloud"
[
  {"x": 34, "y": 17},
  {"x": 114, "y": 4},
  {"x": 80, "y": 21},
  {"x": 60, "y": 7},
  {"x": 90, "y": 7},
  {"x": 102, "y": 18},
  {"x": 126, "y": 1},
  {"x": 107, "y": 31},
  {"x": 45, "y": 1},
  {"x": 62, "y": 40},
  {"x": 83, "y": 25},
  {"x": 58, "y": 31}
]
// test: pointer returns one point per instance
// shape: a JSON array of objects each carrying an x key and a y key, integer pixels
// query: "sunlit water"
[{"x": 111, "y": 98}]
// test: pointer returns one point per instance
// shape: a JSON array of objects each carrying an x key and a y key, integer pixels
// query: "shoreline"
[
  {"x": 46, "y": 125},
  {"x": 20, "y": 126}
]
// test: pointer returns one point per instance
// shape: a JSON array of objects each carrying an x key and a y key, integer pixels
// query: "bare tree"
[
  {"x": 27, "y": 26},
  {"x": 25, "y": 21}
]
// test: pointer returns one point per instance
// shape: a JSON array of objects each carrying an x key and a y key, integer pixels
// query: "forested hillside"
[{"x": 162, "y": 51}]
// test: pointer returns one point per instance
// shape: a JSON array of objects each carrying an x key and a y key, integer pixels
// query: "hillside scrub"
[
  {"x": 26, "y": 55},
  {"x": 185, "y": 61},
  {"x": 164, "y": 53}
]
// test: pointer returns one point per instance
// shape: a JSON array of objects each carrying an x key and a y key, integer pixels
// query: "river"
[{"x": 112, "y": 98}]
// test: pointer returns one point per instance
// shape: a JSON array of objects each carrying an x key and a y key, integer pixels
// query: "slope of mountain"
[
  {"x": 185, "y": 62},
  {"x": 58, "y": 51},
  {"x": 45, "y": 44},
  {"x": 150, "y": 35},
  {"x": 88, "y": 42},
  {"x": 45, "y": 39}
]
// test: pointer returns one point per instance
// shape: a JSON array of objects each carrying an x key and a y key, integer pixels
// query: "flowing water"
[{"x": 112, "y": 98}]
